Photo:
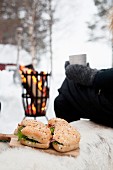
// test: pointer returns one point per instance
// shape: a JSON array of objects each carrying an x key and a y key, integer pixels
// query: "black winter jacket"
[{"x": 93, "y": 102}]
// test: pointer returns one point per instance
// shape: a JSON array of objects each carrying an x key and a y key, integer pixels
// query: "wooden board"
[
  {"x": 6, "y": 137},
  {"x": 15, "y": 143}
]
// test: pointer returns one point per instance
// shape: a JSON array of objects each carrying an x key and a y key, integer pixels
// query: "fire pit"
[{"x": 35, "y": 92}]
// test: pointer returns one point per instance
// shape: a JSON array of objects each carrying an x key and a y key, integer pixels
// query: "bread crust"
[
  {"x": 66, "y": 134},
  {"x": 30, "y": 122},
  {"x": 27, "y": 122},
  {"x": 68, "y": 138},
  {"x": 65, "y": 148},
  {"x": 33, "y": 144},
  {"x": 55, "y": 121},
  {"x": 40, "y": 133}
]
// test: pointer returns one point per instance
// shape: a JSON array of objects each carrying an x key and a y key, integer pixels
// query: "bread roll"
[
  {"x": 65, "y": 148},
  {"x": 40, "y": 133},
  {"x": 27, "y": 122},
  {"x": 30, "y": 122},
  {"x": 54, "y": 121},
  {"x": 66, "y": 138},
  {"x": 33, "y": 144}
]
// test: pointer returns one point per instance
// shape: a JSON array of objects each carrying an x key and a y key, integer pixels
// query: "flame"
[
  {"x": 31, "y": 109},
  {"x": 34, "y": 79},
  {"x": 40, "y": 85},
  {"x": 39, "y": 82},
  {"x": 23, "y": 79},
  {"x": 43, "y": 106},
  {"x": 34, "y": 109},
  {"x": 22, "y": 67}
]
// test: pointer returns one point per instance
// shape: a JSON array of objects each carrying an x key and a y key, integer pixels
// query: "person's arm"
[{"x": 104, "y": 79}]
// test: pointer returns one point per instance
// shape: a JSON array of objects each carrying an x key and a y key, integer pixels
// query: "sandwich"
[
  {"x": 54, "y": 121},
  {"x": 64, "y": 136},
  {"x": 26, "y": 122},
  {"x": 58, "y": 133},
  {"x": 34, "y": 134}
]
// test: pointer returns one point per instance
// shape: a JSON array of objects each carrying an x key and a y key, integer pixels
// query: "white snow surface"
[
  {"x": 12, "y": 111},
  {"x": 8, "y": 55}
]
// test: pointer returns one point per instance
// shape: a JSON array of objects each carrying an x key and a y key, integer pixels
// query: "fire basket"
[{"x": 35, "y": 92}]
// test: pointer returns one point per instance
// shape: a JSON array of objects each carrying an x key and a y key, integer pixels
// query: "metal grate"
[{"x": 35, "y": 93}]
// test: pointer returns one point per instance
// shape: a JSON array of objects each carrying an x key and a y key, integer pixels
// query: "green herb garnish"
[
  {"x": 52, "y": 130},
  {"x": 21, "y": 136},
  {"x": 55, "y": 142}
]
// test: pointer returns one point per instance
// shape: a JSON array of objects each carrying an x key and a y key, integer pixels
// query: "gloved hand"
[
  {"x": 81, "y": 74},
  {"x": 66, "y": 64}
]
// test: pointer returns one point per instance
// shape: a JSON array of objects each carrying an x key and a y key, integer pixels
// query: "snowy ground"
[
  {"x": 10, "y": 98},
  {"x": 12, "y": 110},
  {"x": 69, "y": 38}
]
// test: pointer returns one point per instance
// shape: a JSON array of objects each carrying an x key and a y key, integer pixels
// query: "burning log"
[
  {"x": 31, "y": 80},
  {"x": 37, "y": 91}
]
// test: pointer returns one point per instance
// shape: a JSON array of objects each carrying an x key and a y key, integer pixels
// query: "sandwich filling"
[
  {"x": 52, "y": 128},
  {"x": 24, "y": 137},
  {"x": 53, "y": 141}
]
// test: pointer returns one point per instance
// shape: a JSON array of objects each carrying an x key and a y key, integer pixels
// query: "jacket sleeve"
[{"x": 104, "y": 79}]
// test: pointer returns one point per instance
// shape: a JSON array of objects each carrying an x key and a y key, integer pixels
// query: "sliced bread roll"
[
  {"x": 34, "y": 133},
  {"x": 41, "y": 134},
  {"x": 27, "y": 122},
  {"x": 54, "y": 121},
  {"x": 65, "y": 138},
  {"x": 34, "y": 144}
]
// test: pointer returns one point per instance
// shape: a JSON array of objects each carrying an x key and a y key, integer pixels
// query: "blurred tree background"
[
  {"x": 98, "y": 26},
  {"x": 35, "y": 17}
]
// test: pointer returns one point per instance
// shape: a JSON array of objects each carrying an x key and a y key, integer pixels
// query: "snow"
[
  {"x": 11, "y": 106},
  {"x": 69, "y": 38},
  {"x": 12, "y": 111},
  {"x": 8, "y": 54}
]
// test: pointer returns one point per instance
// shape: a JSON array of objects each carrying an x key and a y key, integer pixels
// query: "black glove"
[
  {"x": 66, "y": 64},
  {"x": 81, "y": 74}
]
